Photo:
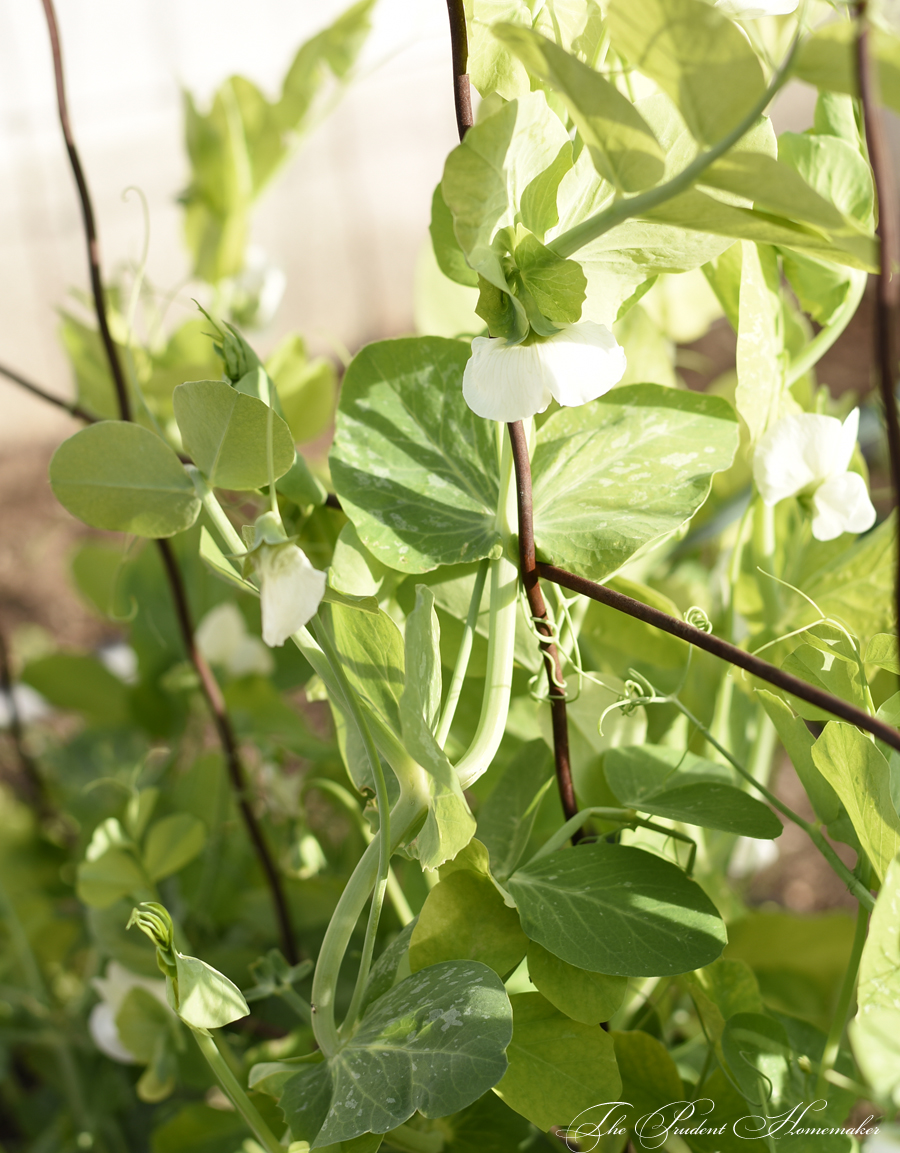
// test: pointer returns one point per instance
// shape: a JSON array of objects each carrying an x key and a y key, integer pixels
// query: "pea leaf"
[
  {"x": 557, "y": 1067},
  {"x": 760, "y": 347},
  {"x": 617, "y": 909},
  {"x": 682, "y": 787},
  {"x": 826, "y": 59},
  {"x": 875, "y": 1030},
  {"x": 417, "y": 472},
  {"x": 435, "y": 1043},
  {"x": 507, "y": 817},
  {"x": 623, "y": 148},
  {"x": 696, "y": 55},
  {"x": 307, "y": 388},
  {"x": 171, "y": 843},
  {"x": 110, "y": 877},
  {"x": 650, "y": 1078},
  {"x": 586, "y": 997},
  {"x": 81, "y": 683},
  {"x": 861, "y": 777},
  {"x": 487, "y": 175},
  {"x": 225, "y": 431},
  {"x": 556, "y": 285},
  {"x": 204, "y": 997},
  {"x": 637, "y": 464},
  {"x": 882, "y": 651},
  {"x": 123, "y": 478},
  {"x": 464, "y": 917}
]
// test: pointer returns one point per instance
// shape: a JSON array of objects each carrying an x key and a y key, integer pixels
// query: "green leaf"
[
  {"x": 861, "y": 777},
  {"x": 586, "y": 997},
  {"x": 507, "y": 817},
  {"x": 798, "y": 742},
  {"x": 198, "y": 1128},
  {"x": 213, "y": 557},
  {"x": 650, "y": 1078},
  {"x": 171, "y": 843},
  {"x": 682, "y": 787},
  {"x": 123, "y": 478},
  {"x": 557, "y": 1067},
  {"x": 758, "y": 1054},
  {"x": 719, "y": 991},
  {"x": 827, "y": 60},
  {"x": 87, "y": 355},
  {"x": 225, "y": 432},
  {"x": 486, "y": 176},
  {"x": 760, "y": 345},
  {"x": 141, "y": 1021},
  {"x": 78, "y": 682},
  {"x": 696, "y": 55},
  {"x": 637, "y": 464},
  {"x": 875, "y": 1030},
  {"x": 834, "y": 168},
  {"x": 306, "y": 388},
  {"x": 703, "y": 213},
  {"x": 371, "y": 650},
  {"x": 882, "y": 651},
  {"x": 450, "y": 257},
  {"x": 488, "y": 1126},
  {"x": 110, "y": 877},
  {"x": 491, "y": 67},
  {"x": 299, "y": 485},
  {"x": 619, "y": 910},
  {"x": 435, "y": 1043},
  {"x": 203, "y": 997},
  {"x": 464, "y": 918},
  {"x": 622, "y": 146},
  {"x": 417, "y": 472},
  {"x": 556, "y": 286},
  {"x": 834, "y": 668}
]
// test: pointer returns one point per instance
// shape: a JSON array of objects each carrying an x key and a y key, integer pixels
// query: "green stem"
[
  {"x": 408, "y": 809},
  {"x": 226, "y": 530},
  {"x": 815, "y": 835},
  {"x": 569, "y": 242},
  {"x": 294, "y": 1001},
  {"x": 845, "y": 997},
  {"x": 823, "y": 340},
  {"x": 351, "y": 702},
  {"x": 233, "y": 1091},
  {"x": 501, "y": 636},
  {"x": 462, "y": 659}
]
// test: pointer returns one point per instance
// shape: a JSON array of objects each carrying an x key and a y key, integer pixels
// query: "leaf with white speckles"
[
  {"x": 416, "y": 470},
  {"x": 435, "y": 1044},
  {"x": 875, "y": 1030},
  {"x": 615, "y": 474}
]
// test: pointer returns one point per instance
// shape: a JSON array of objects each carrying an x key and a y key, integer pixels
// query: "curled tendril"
[{"x": 697, "y": 617}]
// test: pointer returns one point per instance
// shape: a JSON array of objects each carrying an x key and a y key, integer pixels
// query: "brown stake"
[
  {"x": 888, "y": 285},
  {"x": 462, "y": 91},
  {"x": 727, "y": 652},
  {"x": 211, "y": 690},
  {"x": 552, "y": 664}
]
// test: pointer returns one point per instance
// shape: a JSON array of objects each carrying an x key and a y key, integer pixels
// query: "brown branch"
[
  {"x": 462, "y": 91},
  {"x": 87, "y": 212},
  {"x": 549, "y": 651},
  {"x": 68, "y": 406},
  {"x": 211, "y": 689},
  {"x": 754, "y": 665},
  {"x": 888, "y": 286},
  {"x": 213, "y": 694},
  {"x": 32, "y": 781}
]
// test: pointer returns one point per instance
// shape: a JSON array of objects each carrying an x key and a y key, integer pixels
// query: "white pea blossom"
[
  {"x": 510, "y": 382},
  {"x": 753, "y": 9},
  {"x": 223, "y": 640},
  {"x": 113, "y": 989},
  {"x": 809, "y": 455},
  {"x": 290, "y": 590}
]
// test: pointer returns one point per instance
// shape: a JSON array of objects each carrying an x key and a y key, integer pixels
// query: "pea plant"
[{"x": 437, "y": 825}]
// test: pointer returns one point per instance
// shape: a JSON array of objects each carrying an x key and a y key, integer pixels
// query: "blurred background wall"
[{"x": 344, "y": 219}]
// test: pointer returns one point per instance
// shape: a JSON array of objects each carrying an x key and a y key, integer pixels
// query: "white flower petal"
[
  {"x": 221, "y": 633},
  {"x": 841, "y": 504},
  {"x": 797, "y": 452},
  {"x": 848, "y": 438},
  {"x": 505, "y": 382},
  {"x": 753, "y": 9},
  {"x": 251, "y": 656},
  {"x": 290, "y": 591},
  {"x": 105, "y": 1034},
  {"x": 584, "y": 361}
]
